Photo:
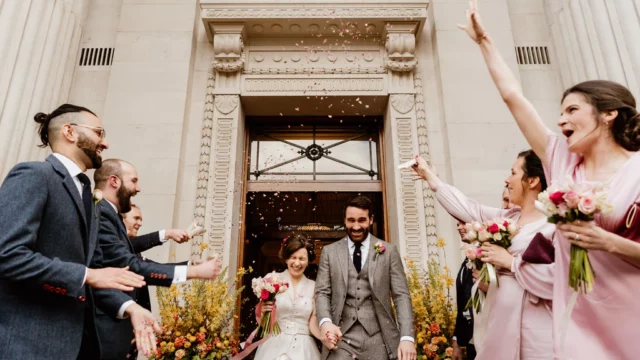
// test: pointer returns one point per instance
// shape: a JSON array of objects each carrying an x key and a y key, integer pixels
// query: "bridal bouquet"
[
  {"x": 266, "y": 289},
  {"x": 497, "y": 232},
  {"x": 572, "y": 202}
]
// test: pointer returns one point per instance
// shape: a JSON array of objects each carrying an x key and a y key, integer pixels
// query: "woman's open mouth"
[{"x": 567, "y": 133}]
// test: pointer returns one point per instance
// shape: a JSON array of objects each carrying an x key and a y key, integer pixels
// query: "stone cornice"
[
  {"x": 376, "y": 12},
  {"x": 287, "y": 11}
]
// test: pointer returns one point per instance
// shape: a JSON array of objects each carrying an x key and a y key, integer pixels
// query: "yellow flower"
[
  {"x": 441, "y": 243},
  {"x": 187, "y": 344},
  {"x": 203, "y": 246}
]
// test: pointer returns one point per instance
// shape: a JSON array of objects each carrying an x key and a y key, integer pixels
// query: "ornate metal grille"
[{"x": 314, "y": 152}]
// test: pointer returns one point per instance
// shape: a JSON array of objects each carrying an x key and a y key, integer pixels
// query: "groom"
[{"x": 353, "y": 287}]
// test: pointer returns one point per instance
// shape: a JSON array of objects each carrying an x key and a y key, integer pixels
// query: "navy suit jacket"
[
  {"x": 464, "y": 282},
  {"x": 145, "y": 242},
  {"x": 115, "y": 334},
  {"x": 45, "y": 248}
]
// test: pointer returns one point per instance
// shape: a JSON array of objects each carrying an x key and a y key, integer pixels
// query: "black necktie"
[
  {"x": 86, "y": 197},
  {"x": 357, "y": 256}
]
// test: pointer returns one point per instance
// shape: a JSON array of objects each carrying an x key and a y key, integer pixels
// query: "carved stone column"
[
  {"x": 405, "y": 200},
  {"x": 404, "y": 196},
  {"x": 596, "y": 39},
  {"x": 222, "y": 146}
]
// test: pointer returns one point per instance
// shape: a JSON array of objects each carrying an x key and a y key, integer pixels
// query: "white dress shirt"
[
  {"x": 72, "y": 168},
  {"x": 364, "y": 251}
]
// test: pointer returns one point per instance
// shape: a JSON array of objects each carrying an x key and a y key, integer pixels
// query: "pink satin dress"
[
  {"x": 518, "y": 322},
  {"x": 605, "y": 323}
]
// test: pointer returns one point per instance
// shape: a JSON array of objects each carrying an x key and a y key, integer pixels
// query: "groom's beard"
[{"x": 361, "y": 234}]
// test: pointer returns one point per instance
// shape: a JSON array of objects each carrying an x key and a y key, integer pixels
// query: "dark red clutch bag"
[{"x": 540, "y": 251}]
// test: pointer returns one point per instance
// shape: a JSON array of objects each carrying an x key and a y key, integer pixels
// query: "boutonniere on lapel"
[
  {"x": 380, "y": 248},
  {"x": 97, "y": 197}
]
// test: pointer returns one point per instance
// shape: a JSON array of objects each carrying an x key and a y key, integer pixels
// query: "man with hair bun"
[{"x": 50, "y": 267}]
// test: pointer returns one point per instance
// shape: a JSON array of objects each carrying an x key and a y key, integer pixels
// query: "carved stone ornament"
[
  {"x": 402, "y": 103},
  {"x": 400, "y": 52},
  {"x": 226, "y": 103},
  {"x": 228, "y": 53},
  {"x": 315, "y": 12}
]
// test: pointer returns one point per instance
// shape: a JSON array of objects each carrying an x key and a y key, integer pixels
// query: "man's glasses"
[{"x": 98, "y": 130}]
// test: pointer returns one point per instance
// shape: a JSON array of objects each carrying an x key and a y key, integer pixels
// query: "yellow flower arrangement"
[
  {"x": 197, "y": 319},
  {"x": 433, "y": 310}
]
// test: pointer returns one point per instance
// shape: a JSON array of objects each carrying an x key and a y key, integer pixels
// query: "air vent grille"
[
  {"x": 533, "y": 55},
  {"x": 96, "y": 56}
]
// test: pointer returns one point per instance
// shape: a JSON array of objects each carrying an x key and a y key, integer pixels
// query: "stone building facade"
[{"x": 182, "y": 86}]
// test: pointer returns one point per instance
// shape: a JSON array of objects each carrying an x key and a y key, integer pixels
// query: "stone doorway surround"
[{"x": 284, "y": 58}]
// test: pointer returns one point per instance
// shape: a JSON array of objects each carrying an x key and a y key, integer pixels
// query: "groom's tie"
[{"x": 357, "y": 256}]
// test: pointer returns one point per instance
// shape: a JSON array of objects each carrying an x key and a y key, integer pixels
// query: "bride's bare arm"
[
  {"x": 523, "y": 111},
  {"x": 314, "y": 329}
]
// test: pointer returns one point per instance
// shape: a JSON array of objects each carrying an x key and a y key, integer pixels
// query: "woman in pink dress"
[
  {"x": 599, "y": 143},
  {"x": 515, "y": 322}
]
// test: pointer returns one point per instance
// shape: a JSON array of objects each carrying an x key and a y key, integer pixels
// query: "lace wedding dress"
[{"x": 292, "y": 313}]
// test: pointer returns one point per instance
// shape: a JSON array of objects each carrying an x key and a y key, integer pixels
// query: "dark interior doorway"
[{"x": 272, "y": 216}]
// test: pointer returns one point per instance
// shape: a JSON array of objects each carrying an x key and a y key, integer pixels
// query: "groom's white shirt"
[{"x": 364, "y": 249}]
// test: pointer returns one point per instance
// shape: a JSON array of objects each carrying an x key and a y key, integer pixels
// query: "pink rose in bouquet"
[
  {"x": 572, "y": 202},
  {"x": 497, "y": 232},
  {"x": 266, "y": 289}
]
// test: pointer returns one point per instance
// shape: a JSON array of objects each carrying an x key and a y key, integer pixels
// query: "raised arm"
[
  {"x": 523, "y": 111},
  {"x": 454, "y": 201}
]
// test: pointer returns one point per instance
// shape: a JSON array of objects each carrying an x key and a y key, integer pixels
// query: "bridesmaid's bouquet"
[
  {"x": 497, "y": 232},
  {"x": 569, "y": 203},
  {"x": 266, "y": 289}
]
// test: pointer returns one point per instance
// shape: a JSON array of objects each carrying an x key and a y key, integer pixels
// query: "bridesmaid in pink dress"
[
  {"x": 516, "y": 321},
  {"x": 601, "y": 138}
]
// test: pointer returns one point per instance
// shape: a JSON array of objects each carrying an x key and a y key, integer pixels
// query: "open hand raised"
[{"x": 474, "y": 27}]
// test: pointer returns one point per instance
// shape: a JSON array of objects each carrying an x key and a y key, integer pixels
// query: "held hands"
[
  {"x": 331, "y": 334},
  {"x": 496, "y": 255},
  {"x": 178, "y": 235},
  {"x": 474, "y": 27},
  {"x": 588, "y": 235},
  {"x": 114, "y": 278},
  {"x": 407, "y": 350},
  {"x": 144, "y": 326}
]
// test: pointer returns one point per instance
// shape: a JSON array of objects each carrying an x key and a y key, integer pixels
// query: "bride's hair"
[{"x": 296, "y": 242}]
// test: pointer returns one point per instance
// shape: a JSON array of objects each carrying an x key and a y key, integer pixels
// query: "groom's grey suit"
[{"x": 360, "y": 303}]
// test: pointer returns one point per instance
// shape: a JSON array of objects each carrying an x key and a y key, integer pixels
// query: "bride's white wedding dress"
[{"x": 294, "y": 342}]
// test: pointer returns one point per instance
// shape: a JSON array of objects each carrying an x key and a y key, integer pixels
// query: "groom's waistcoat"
[{"x": 359, "y": 304}]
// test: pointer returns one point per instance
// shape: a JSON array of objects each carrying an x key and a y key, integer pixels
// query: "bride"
[{"x": 295, "y": 308}]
